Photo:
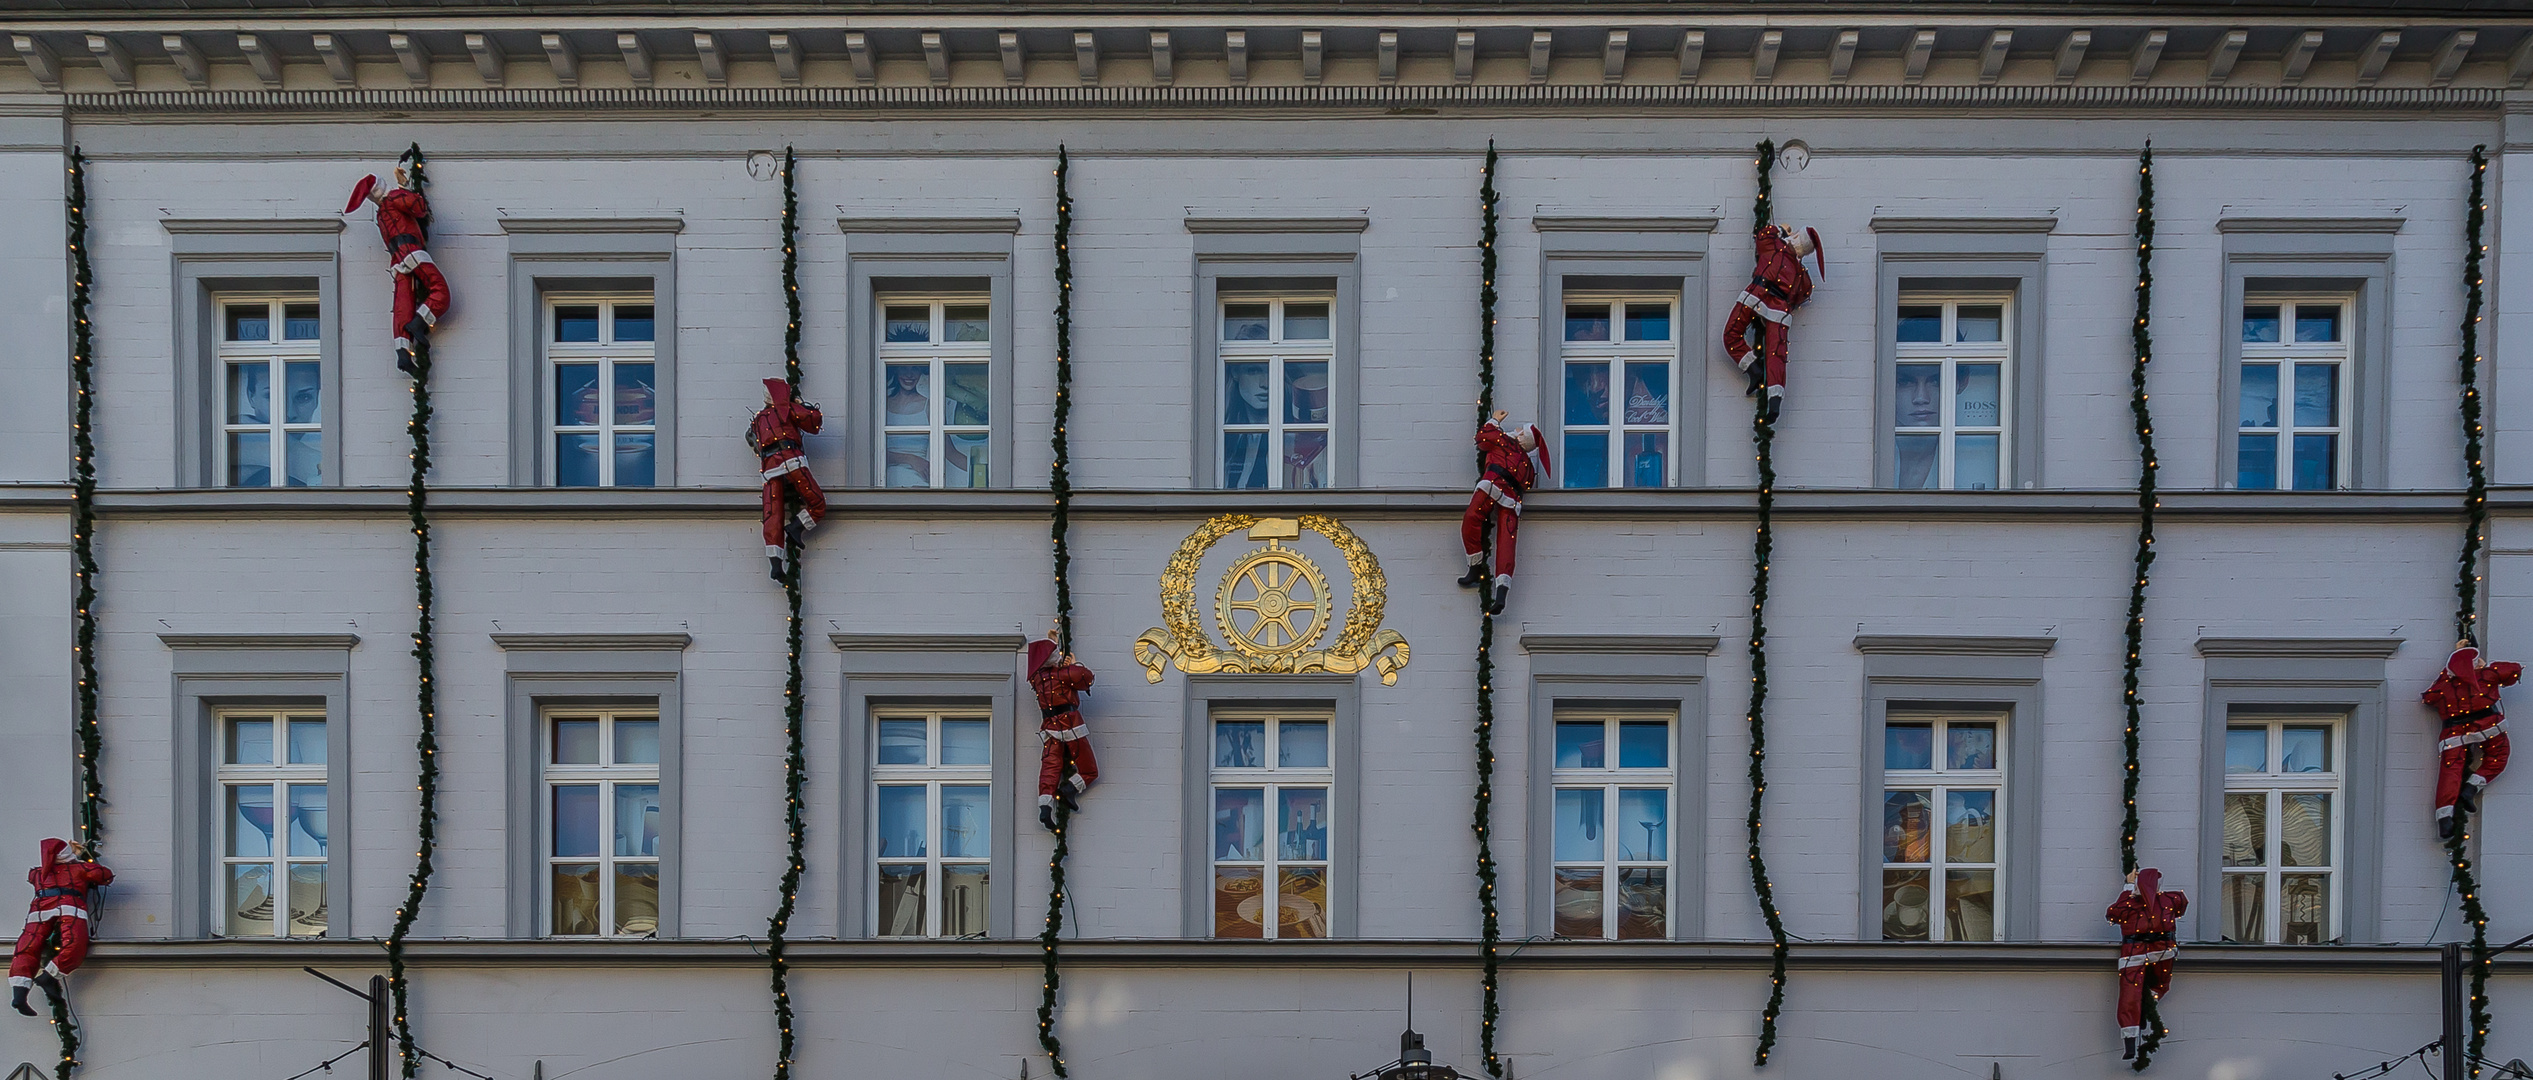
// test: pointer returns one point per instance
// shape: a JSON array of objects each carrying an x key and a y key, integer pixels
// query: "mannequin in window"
[
  {"x": 1246, "y": 398},
  {"x": 1917, "y": 402}
]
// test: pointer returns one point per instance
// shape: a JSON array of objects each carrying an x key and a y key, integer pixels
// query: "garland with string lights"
[
  {"x": 1490, "y": 926},
  {"x": 1763, "y": 437},
  {"x": 427, "y": 745},
  {"x": 795, "y": 752},
  {"x": 83, "y": 533},
  {"x": 2467, "y": 580},
  {"x": 1060, "y": 484},
  {"x": 2141, "y": 339}
]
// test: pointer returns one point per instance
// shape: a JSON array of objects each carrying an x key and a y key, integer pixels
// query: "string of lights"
[
  {"x": 2141, "y": 337},
  {"x": 2467, "y": 581},
  {"x": 83, "y": 554},
  {"x": 1763, "y": 435},
  {"x": 1060, "y": 483},
  {"x": 427, "y": 744},
  {"x": 1490, "y": 925},
  {"x": 796, "y": 753}
]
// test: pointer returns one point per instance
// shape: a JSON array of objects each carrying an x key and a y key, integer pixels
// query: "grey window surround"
[
  {"x": 920, "y": 254},
  {"x": 1659, "y": 254},
  {"x": 1620, "y": 672},
  {"x": 2314, "y": 255},
  {"x": 2003, "y": 255},
  {"x": 930, "y": 672},
  {"x": 1933, "y": 673},
  {"x": 2343, "y": 675},
  {"x": 1342, "y": 698},
  {"x": 547, "y": 671},
  {"x": 1233, "y": 255},
  {"x": 214, "y": 256},
  {"x": 564, "y": 255},
  {"x": 215, "y": 671}
]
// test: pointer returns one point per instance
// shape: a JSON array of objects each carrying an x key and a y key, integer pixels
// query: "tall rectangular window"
[
  {"x": 2294, "y": 432},
  {"x": 1271, "y": 780},
  {"x": 600, "y": 354},
  {"x": 935, "y": 396},
  {"x": 1276, "y": 353},
  {"x": 272, "y": 397},
  {"x": 1950, "y": 393},
  {"x": 933, "y": 823},
  {"x": 1943, "y": 801},
  {"x": 1618, "y": 353},
  {"x": 272, "y": 824},
  {"x": 602, "y": 781},
  {"x": 2282, "y": 829},
  {"x": 1615, "y": 785}
]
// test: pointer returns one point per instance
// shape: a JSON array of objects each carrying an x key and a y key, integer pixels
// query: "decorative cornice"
[
  {"x": 1278, "y": 225},
  {"x": 1603, "y": 223},
  {"x": 578, "y": 226},
  {"x": 1620, "y": 644},
  {"x": 1964, "y": 224},
  {"x": 2310, "y": 225},
  {"x": 235, "y": 226},
  {"x": 965, "y": 643},
  {"x": 591, "y": 642},
  {"x": 2301, "y": 648},
  {"x": 1945, "y": 645},
  {"x": 319, "y": 642},
  {"x": 929, "y": 224}
]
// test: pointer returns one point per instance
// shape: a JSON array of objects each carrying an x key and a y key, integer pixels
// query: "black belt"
[
  {"x": 1770, "y": 287},
  {"x": 778, "y": 447},
  {"x": 1504, "y": 478},
  {"x": 47, "y": 894},
  {"x": 1068, "y": 710},
  {"x": 406, "y": 238},
  {"x": 2146, "y": 939},
  {"x": 2469, "y": 717}
]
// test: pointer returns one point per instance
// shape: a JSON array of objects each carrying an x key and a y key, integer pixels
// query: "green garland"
[
  {"x": 795, "y": 754},
  {"x": 1490, "y": 926},
  {"x": 1763, "y": 435},
  {"x": 427, "y": 746},
  {"x": 83, "y": 533},
  {"x": 2141, "y": 339},
  {"x": 1060, "y": 484},
  {"x": 2467, "y": 582}
]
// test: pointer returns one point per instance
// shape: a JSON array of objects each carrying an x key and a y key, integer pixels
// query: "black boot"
[
  {"x": 2445, "y": 826},
  {"x": 774, "y": 563},
  {"x": 1502, "y": 593},
  {"x": 1757, "y": 373},
  {"x": 1046, "y": 816},
  {"x": 404, "y": 361},
  {"x": 795, "y": 534},
  {"x": 2469, "y": 800},
  {"x": 2129, "y": 1052},
  {"x": 1769, "y": 408},
  {"x": 1069, "y": 799},
  {"x": 52, "y": 985},
  {"x": 17, "y": 1000},
  {"x": 1475, "y": 577}
]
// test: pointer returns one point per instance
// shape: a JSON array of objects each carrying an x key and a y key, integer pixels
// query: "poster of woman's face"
[{"x": 1245, "y": 393}]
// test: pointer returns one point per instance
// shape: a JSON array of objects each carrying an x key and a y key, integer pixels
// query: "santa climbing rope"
[
  {"x": 1765, "y": 309},
  {"x": 404, "y": 222},
  {"x": 1066, "y": 766},
  {"x": 2149, "y": 919},
  {"x": 59, "y": 921},
  {"x": 793, "y": 504},
  {"x": 2471, "y": 741},
  {"x": 1511, "y": 458}
]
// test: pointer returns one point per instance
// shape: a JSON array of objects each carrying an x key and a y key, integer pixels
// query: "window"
[
  {"x": 602, "y": 779},
  {"x": 933, "y": 823},
  {"x": 606, "y": 396},
  {"x": 2293, "y": 428},
  {"x": 935, "y": 356},
  {"x": 1949, "y": 392},
  {"x": 1618, "y": 353},
  {"x": 1276, "y": 355},
  {"x": 1271, "y": 782},
  {"x": 272, "y": 397},
  {"x": 273, "y": 824},
  {"x": 2282, "y": 829},
  {"x": 1614, "y": 784},
  {"x": 1942, "y": 795}
]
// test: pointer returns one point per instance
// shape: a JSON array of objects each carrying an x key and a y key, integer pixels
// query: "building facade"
[{"x": 1276, "y": 267}]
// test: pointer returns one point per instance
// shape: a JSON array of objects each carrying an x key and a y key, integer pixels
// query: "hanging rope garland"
[
  {"x": 1060, "y": 483},
  {"x": 795, "y": 752},
  {"x": 83, "y": 554},
  {"x": 1763, "y": 436},
  {"x": 1490, "y": 926},
  {"x": 2142, "y": 340},
  {"x": 427, "y": 746},
  {"x": 2467, "y": 579}
]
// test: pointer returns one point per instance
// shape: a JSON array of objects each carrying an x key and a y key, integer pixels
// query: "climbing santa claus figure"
[
  {"x": 793, "y": 503},
  {"x": 55, "y": 940},
  {"x": 1066, "y": 767},
  {"x": 404, "y": 222},
  {"x": 1765, "y": 310},
  {"x": 2471, "y": 747},
  {"x": 1511, "y": 459},
  {"x": 2148, "y": 917}
]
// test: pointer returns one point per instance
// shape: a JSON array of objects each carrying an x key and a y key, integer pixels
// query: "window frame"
[
  {"x": 1617, "y": 353},
  {"x": 306, "y": 673},
  {"x": 213, "y": 257},
  {"x": 1907, "y": 674},
  {"x": 968, "y": 673},
  {"x": 605, "y": 353},
  {"x": 279, "y": 777},
  {"x": 944, "y": 255},
  {"x": 2276, "y": 784},
  {"x": 606, "y": 775},
  {"x": 585, "y": 256},
  {"x": 932, "y": 776},
  {"x": 277, "y": 353},
  {"x": 631, "y": 672},
  {"x": 2286, "y": 356},
  {"x": 1978, "y": 256},
  {"x": 2350, "y": 256},
  {"x": 1339, "y": 699},
  {"x": 1271, "y": 780},
  {"x": 1615, "y": 673},
  {"x": 936, "y": 354},
  {"x": 1948, "y": 354},
  {"x": 1939, "y": 782},
  {"x": 1593, "y": 252},
  {"x": 1611, "y": 780},
  {"x": 1276, "y": 255},
  {"x": 1275, "y": 351}
]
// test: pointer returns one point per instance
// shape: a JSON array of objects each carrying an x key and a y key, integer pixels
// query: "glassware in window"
[
  {"x": 1643, "y": 825},
  {"x": 1239, "y": 744},
  {"x": 2244, "y": 912},
  {"x": 633, "y": 322},
  {"x": 1305, "y": 459},
  {"x": 1234, "y": 888},
  {"x": 637, "y": 899},
  {"x": 2317, "y": 323},
  {"x": 901, "y": 900},
  {"x": 251, "y": 821},
  {"x": 1907, "y": 905},
  {"x": 964, "y": 892},
  {"x": 1920, "y": 324},
  {"x": 966, "y": 322},
  {"x": 2247, "y": 750},
  {"x": 1969, "y": 746},
  {"x": 299, "y": 322},
  {"x": 967, "y": 821},
  {"x": 250, "y": 742},
  {"x": 1301, "y": 744},
  {"x": 307, "y": 821},
  {"x": 1644, "y": 903},
  {"x": 1306, "y": 393},
  {"x": 637, "y": 818},
  {"x": 2304, "y": 749},
  {"x": 1587, "y": 392},
  {"x": 1245, "y": 322},
  {"x": 2260, "y": 324},
  {"x": 250, "y": 905},
  {"x": 1586, "y": 460},
  {"x": 307, "y": 900},
  {"x": 2316, "y": 462},
  {"x": 2256, "y": 462},
  {"x": 1240, "y": 824},
  {"x": 900, "y": 822},
  {"x": 250, "y": 323},
  {"x": 1975, "y": 463},
  {"x": 2246, "y": 828},
  {"x": 1908, "y": 746},
  {"x": 1648, "y": 322},
  {"x": 1581, "y": 745},
  {"x": 1648, "y": 457},
  {"x": 1648, "y": 392},
  {"x": 1587, "y": 322},
  {"x": 907, "y": 324},
  {"x": 637, "y": 742},
  {"x": 2304, "y": 829},
  {"x": 1969, "y": 905},
  {"x": 1975, "y": 401},
  {"x": 576, "y": 324},
  {"x": 1908, "y": 826},
  {"x": 1305, "y": 322},
  {"x": 1644, "y": 744},
  {"x": 300, "y": 384},
  {"x": 576, "y": 821},
  {"x": 1969, "y": 826},
  {"x": 1301, "y": 824},
  {"x": 1578, "y": 902},
  {"x": 576, "y": 742},
  {"x": 1979, "y": 324},
  {"x": 1580, "y": 832},
  {"x": 967, "y": 742},
  {"x": 307, "y": 741}
]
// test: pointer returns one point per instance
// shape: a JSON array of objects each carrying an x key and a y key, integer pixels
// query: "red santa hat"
[
  {"x": 2150, "y": 888},
  {"x": 1539, "y": 448},
  {"x": 360, "y": 192},
  {"x": 778, "y": 391},
  {"x": 1041, "y": 653}
]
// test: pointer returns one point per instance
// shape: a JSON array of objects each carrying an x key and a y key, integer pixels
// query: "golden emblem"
[{"x": 1274, "y": 606}]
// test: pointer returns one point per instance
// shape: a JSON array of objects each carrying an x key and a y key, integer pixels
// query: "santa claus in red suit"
[
  {"x": 2148, "y": 917},
  {"x": 1066, "y": 766},
  {"x": 1511, "y": 459},
  {"x": 2472, "y": 745},
  {"x": 58, "y": 919},
  {"x": 775, "y": 435},
  {"x": 1778, "y": 285},
  {"x": 404, "y": 221}
]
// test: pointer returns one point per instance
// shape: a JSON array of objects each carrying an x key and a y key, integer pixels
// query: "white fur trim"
[
  {"x": 1078, "y": 784},
  {"x": 788, "y": 465},
  {"x": 403, "y": 342},
  {"x": 1503, "y": 581},
  {"x": 1509, "y": 502},
  {"x": 52, "y": 912},
  {"x": 1070, "y": 734},
  {"x": 1046, "y": 802},
  {"x": 429, "y": 317},
  {"x": 2168, "y": 952},
  {"x": 2445, "y": 811},
  {"x": 2479, "y": 735},
  {"x": 2132, "y": 1033},
  {"x": 405, "y": 265},
  {"x": 1777, "y": 391},
  {"x": 1761, "y": 308},
  {"x": 2476, "y": 780},
  {"x": 773, "y": 552},
  {"x": 1477, "y": 558}
]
